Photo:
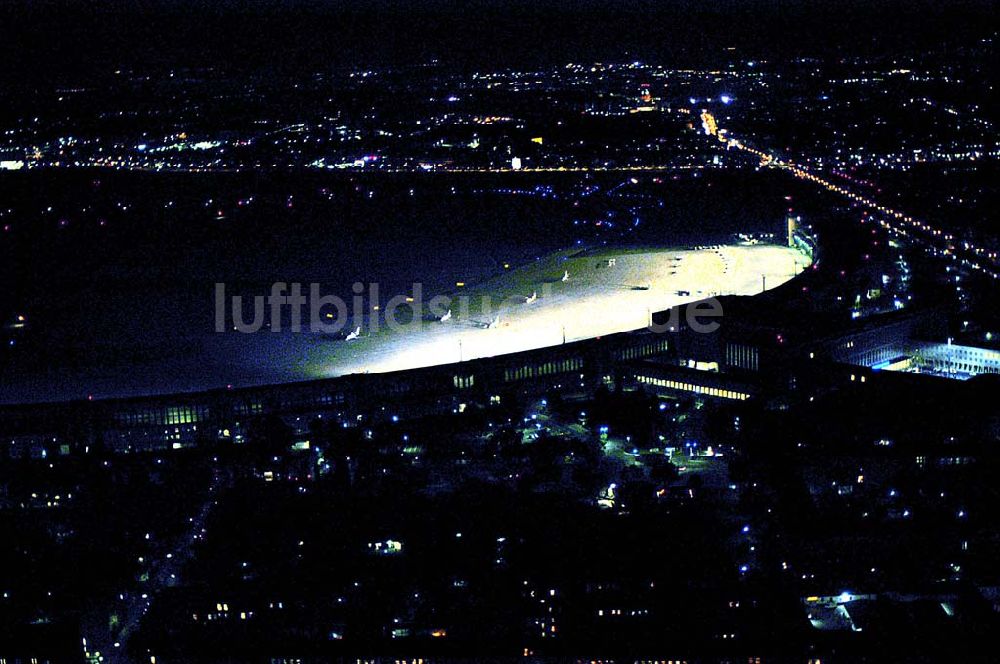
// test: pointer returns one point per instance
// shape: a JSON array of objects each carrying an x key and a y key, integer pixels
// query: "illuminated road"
[
  {"x": 896, "y": 222},
  {"x": 110, "y": 623}
]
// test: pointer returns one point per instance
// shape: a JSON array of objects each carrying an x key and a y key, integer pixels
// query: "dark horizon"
[{"x": 60, "y": 40}]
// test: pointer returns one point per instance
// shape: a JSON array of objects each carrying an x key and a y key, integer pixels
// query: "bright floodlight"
[{"x": 573, "y": 296}]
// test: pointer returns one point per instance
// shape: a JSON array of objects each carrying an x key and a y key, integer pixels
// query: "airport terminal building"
[{"x": 745, "y": 359}]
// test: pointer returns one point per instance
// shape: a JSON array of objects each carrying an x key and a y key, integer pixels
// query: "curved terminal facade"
[{"x": 585, "y": 322}]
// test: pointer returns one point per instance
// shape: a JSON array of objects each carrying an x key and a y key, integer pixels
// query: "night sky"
[{"x": 63, "y": 38}]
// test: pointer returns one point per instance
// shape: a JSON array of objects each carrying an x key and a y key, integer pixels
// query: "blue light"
[{"x": 726, "y": 99}]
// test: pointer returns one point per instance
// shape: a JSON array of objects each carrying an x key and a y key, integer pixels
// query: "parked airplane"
[
  {"x": 565, "y": 276},
  {"x": 532, "y": 299},
  {"x": 446, "y": 316},
  {"x": 488, "y": 325},
  {"x": 353, "y": 335}
]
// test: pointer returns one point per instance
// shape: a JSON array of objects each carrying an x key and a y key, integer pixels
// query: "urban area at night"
[{"x": 438, "y": 332}]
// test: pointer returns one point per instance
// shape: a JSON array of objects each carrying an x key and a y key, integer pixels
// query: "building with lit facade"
[{"x": 749, "y": 357}]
